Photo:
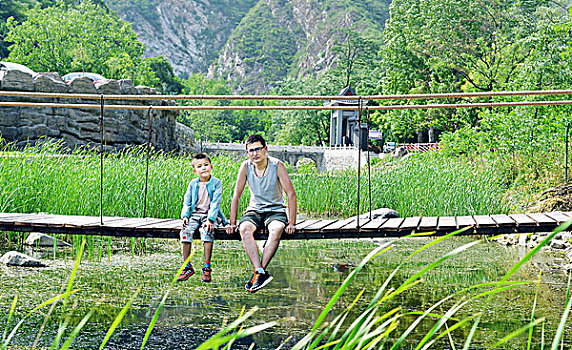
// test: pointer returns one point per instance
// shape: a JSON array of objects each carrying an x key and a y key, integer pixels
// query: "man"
[{"x": 267, "y": 179}]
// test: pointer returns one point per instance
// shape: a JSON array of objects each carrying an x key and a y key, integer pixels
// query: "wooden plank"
[
  {"x": 392, "y": 224},
  {"x": 33, "y": 221},
  {"x": 428, "y": 223},
  {"x": 352, "y": 225},
  {"x": 318, "y": 226},
  {"x": 503, "y": 220},
  {"x": 542, "y": 219},
  {"x": 410, "y": 224},
  {"x": 339, "y": 224},
  {"x": 464, "y": 221},
  {"x": 306, "y": 224},
  {"x": 373, "y": 224},
  {"x": 447, "y": 223},
  {"x": 523, "y": 220},
  {"x": 131, "y": 223},
  {"x": 484, "y": 221},
  {"x": 160, "y": 224},
  {"x": 560, "y": 217}
]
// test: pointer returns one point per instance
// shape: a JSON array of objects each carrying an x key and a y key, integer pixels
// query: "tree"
[
  {"x": 15, "y": 9},
  {"x": 68, "y": 38}
]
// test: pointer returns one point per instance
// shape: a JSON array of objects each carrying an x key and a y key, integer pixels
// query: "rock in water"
[
  {"x": 43, "y": 240},
  {"x": 18, "y": 259}
]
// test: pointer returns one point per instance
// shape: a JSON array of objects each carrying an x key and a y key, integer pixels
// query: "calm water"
[{"x": 306, "y": 274}]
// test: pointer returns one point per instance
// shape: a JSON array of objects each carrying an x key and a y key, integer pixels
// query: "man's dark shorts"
[{"x": 262, "y": 219}]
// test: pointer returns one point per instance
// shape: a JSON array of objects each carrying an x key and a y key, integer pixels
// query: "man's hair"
[
  {"x": 255, "y": 138},
  {"x": 201, "y": 156}
]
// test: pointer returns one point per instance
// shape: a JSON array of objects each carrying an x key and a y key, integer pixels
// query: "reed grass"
[{"x": 45, "y": 179}]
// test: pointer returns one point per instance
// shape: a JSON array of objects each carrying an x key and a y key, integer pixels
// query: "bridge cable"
[
  {"x": 368, "y": 160},
  {"x": 150, "y": 123},
  {"x": 102, "y": 107},
  {"x": 358, "y": 162},
  {"x": 368, "y": 166}
]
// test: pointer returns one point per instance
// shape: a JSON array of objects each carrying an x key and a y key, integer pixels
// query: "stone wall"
[{"x": 81, "y": 126}]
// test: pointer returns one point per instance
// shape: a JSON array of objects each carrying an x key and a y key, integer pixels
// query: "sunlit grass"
[{"x": 43, "y": 179}]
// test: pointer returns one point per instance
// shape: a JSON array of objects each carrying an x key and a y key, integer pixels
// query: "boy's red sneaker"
[
  {"x": 187, "y": 272},
  {"x": 206, "y": 277}
]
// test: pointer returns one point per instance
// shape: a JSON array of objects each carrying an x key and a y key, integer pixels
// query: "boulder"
[
  {"x": 108, "y": 87},
  {"x": 381, "y": 213},
  {"x": 43, "y": 240},
  {"x": 82, "y": 85},
  {"x": 16, "y": 80},
  {"x": 126, "y": 87},
  {"x": 50, "y": 83},
  {"x": 18, "y": 259}
]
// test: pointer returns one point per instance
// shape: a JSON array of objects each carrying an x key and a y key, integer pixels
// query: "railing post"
[{"x": 566, "y": 152}]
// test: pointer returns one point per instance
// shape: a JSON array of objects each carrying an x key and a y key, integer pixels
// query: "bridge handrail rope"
[
  {"x": 294, "y": 108},
  {"x": 293, "y": 97}
]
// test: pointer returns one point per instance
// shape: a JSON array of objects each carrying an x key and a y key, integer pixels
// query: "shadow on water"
[{"x": 306, "y": 274}]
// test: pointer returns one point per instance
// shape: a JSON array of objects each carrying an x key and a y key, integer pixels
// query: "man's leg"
[
  {"x": 247, "y": 230},
  {"x": 275, "y": 229}
]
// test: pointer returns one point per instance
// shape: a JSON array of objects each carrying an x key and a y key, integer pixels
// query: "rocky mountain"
[{"x": 253, "y": 43}]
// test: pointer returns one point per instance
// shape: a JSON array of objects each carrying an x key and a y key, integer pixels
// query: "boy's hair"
[
  {"x": 255, "y": 138},
  {"x": 201, "y": 156}
]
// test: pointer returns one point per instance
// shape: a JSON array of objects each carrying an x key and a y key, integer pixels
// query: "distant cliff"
[{"x": 252, "y": 43}]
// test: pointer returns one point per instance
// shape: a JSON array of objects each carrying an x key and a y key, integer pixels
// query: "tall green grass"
[
  {"x": 455, "y": 321},
  {"x": 45, "y": 179}
]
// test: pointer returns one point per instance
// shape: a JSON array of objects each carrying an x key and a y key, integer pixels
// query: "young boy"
[
  {"x": 267, "y": 180},
  {"x": 201, "y": 211}
]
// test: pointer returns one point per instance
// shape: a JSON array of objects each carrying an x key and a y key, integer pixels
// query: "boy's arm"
[
  {"x": 215, "y": 202},
  {"x": 288, "y": 187},
  {"x": 186, "y": 203},
  {"x": 238, "y": 189}
]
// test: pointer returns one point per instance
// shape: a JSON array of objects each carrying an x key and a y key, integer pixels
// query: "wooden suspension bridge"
[{"x": 305, "y": 229}]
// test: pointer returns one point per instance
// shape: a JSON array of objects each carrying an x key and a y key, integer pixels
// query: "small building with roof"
[{"x": 345, "y": 125}]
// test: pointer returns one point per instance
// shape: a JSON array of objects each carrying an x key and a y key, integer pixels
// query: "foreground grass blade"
[
  {"x": 76, "y": 331},
  {"x": 562, "y": 325},
  {"x": 378, "y": 250},
  {"x": 118, "y": 320},
  {"x": 47, "y": 302}
]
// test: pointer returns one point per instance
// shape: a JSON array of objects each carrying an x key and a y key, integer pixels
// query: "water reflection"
[{"x": 306, "y": 274}]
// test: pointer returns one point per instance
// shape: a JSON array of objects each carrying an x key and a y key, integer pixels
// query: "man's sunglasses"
[{"x": 254, "y": 150}]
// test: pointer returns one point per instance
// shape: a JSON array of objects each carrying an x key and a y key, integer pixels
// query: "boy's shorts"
[
  {"x": 262, "y": 219},
  {"x": 196, "y": 221}
]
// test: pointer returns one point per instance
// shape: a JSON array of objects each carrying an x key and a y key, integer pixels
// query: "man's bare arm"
[
  {"x": 238, "y": 190},
  {"x": 288, "y": 187}
]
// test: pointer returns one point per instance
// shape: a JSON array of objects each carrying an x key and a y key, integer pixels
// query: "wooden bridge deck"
[{"x": 306, "y": 229}]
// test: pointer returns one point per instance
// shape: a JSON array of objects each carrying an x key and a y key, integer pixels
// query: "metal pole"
[
  {"x": 368, "y": 161},
  {"x": 566, "y": 152},
  {"x": 150, "y": 121},
  {"x": 102, "y": 103},
  {"x": 358, "y": 161}
]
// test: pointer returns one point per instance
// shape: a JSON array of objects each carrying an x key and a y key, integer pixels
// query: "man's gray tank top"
[{"x": 265, "y": 191}]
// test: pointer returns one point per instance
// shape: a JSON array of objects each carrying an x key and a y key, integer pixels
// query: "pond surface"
[{"x": 306, "y": 275}]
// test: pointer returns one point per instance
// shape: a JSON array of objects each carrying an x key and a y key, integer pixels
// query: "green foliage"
[
  {"x": 74, "y": 38},
  {"x": 220, "y": 126}
]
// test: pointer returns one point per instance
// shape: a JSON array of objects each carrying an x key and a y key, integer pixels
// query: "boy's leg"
[
  {"x": 208, "y": 242},
  {"x": 186, "y": 236}
]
